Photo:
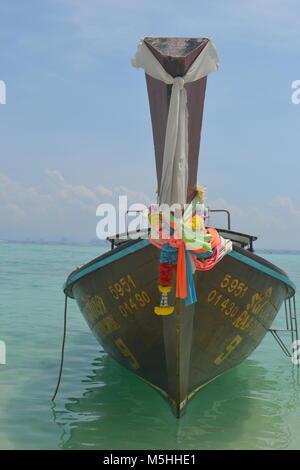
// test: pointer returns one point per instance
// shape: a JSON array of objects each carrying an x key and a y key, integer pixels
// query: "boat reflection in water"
[{"x": 245, "y": 408}]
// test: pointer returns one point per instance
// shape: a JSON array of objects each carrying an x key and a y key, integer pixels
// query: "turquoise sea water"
[{"x": 100, "y": 405}]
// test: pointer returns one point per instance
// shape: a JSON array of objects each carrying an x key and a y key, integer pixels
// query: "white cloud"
[
  {"x": 133, "y": 196},
  {"x": 56, "y": 174},
  {"x": 273, "y": 221},
  {"x": 15, "y": 209},
  {"x": 55, "y": 208},
  {"x": 287, "y": 204},
  {"x": 103, "y": 190}
]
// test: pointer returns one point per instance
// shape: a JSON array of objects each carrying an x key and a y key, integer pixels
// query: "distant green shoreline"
[
  {"x": 104, "y": 243},
  {"x": 53, "y": 242}
]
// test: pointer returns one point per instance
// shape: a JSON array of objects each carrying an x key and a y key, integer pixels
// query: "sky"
[{"x": 76, "y": 132}]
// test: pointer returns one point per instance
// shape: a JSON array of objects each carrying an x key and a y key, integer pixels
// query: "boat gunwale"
[{"x": 240, "y": 254}]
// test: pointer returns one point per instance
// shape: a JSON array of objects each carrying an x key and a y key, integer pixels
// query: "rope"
[{"x": 62, "y": 348}]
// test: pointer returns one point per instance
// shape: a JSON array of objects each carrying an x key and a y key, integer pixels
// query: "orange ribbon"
[{"x": 181, "y": 279}]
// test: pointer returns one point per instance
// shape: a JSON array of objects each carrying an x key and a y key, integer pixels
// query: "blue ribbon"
[
  {"x": 169, "y": 254},
  {"x": 192, "y": 297}
]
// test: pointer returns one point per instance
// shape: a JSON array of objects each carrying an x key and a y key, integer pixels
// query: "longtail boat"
[{"x": 236, "y": 301}]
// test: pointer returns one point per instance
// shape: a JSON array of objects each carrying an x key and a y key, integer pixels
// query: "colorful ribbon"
[{"x": 185, "y": 246}]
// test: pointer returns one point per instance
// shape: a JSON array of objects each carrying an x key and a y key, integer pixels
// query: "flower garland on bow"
[{"x": 186, "y": 245}]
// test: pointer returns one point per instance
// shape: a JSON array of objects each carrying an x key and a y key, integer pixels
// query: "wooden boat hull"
[{"x": 180, "y": 353}]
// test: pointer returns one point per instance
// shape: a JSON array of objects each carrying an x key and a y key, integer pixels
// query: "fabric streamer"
[{"x": 184, "y": 254}]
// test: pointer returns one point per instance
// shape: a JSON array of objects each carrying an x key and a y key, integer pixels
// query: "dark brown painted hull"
[{"x": 180, "y": 353}]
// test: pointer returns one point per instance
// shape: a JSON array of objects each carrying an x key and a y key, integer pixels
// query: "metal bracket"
[
  {"x": 226, "y": 212},
  {"x": 291, "y": 326}
]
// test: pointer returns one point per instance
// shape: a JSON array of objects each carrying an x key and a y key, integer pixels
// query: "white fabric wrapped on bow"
[{"x": 174, "y": 178}]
